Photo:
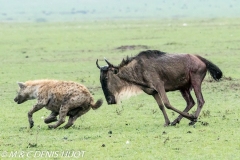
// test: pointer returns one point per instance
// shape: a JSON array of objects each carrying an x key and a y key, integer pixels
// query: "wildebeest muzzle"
[{"x": 111, "y": 100}]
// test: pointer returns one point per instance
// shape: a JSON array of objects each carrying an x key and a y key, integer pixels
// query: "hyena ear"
[{"x": 21, "y": 85}]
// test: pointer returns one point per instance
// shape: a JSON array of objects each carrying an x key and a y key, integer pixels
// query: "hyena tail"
[{"x": 97, "y": 104}]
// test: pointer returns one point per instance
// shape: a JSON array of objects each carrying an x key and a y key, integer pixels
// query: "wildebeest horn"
[
  {"x": 98, "y": 64},
  {"x": 109, "y": 64}
]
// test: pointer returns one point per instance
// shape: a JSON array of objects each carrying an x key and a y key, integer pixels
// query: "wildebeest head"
[
  {"x": 111, "y": 83},
  {"x": 23, "y": 94}
]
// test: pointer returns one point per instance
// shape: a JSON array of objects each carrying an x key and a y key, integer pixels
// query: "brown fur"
[{"x": 63, "y": 98}]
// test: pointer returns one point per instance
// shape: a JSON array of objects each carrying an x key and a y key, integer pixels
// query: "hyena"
[{"x": 63, "y": 98}]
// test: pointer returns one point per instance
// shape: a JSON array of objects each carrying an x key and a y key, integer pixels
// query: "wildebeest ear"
[{"x": 21, "y": 84}]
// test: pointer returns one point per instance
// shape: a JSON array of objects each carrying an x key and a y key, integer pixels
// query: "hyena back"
[{"x": 63, "y": 98}]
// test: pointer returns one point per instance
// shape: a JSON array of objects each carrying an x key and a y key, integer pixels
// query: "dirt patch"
[
  {"x": 222, "y": 79},
  {"x": 173, "y": 43},
  {"x": 235, "y": 86},
  {"x": 131, "y": 47},
  {"x": 204, "y": 123}
]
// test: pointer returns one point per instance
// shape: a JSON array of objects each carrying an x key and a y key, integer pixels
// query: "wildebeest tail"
[
  {"x": 97, "y": 104},
  {"x": 215, "y": 72}
]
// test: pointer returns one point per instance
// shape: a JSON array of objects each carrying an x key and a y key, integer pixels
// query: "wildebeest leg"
[
  {"x": 51, "y": 118},
  {"x": 162, "y": 108},
  {"x": 167, "y": 104},
  {"x": 196, "y": 81},
  {"x": 62, "y": 115},
  {"x": 190, "y": 103},
  {"x": 72, "y": 119},
  {"x": 200, "y": 101},
  {"x": 35, "y": 108}
]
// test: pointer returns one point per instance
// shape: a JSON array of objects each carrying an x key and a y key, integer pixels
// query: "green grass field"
[{"x": 133, "y": 129}]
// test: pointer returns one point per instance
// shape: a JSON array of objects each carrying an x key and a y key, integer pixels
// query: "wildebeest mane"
[{"x": 148, "y": 54}]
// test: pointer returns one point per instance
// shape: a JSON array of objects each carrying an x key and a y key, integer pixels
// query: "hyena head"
[{"x": 25, "y": 93}]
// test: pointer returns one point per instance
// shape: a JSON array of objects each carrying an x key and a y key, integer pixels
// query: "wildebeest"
[
  {"x": 155, "y": 73},
  {"x": 63, "y": 98}
]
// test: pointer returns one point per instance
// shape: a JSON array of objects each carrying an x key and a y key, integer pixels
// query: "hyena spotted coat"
[{"x": 63, "y": 98}]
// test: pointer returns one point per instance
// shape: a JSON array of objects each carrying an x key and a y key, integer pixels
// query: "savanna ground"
[{"x": 134, "y": 129}]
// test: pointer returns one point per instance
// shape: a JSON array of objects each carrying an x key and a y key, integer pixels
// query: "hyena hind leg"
[
  {"x": 62, "y": 115},
  {"x": 72, "y": 119},
  {"x": 51, "y": 118}
]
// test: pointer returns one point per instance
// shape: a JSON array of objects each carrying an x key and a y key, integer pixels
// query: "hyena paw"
[
  {"x": 67, "y": 126},
  {"x": 52, "y": 126}
]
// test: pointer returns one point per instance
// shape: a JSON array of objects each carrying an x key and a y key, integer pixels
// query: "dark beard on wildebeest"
[
  {"x": 156, "y": 73},
  {"x": 104, "y": 82}
]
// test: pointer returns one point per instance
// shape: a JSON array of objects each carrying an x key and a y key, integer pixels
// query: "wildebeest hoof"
[
  {"x": 31, "y": 124},
  {"x": 193, "y": 118},
  {"x": 166, "y": 124},
  {"x": 176, "y": 121},
  {"x": 193, "y": 122}
]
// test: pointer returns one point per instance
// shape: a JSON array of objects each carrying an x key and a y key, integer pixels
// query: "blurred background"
[{"x": 81, "y": 10}]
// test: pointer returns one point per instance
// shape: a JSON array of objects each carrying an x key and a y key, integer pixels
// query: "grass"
[{"x": 134, "y": 129}]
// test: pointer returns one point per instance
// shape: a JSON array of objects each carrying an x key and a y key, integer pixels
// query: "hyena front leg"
[
  {"x": 51, "y": 118},
  {"x": 72, "y": 119},
  {"x": 62, "y": 115},
  {"x": 35, "y": 108}
]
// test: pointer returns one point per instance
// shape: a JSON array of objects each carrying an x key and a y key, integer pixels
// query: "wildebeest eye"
[{"x": 115, "y": 71}]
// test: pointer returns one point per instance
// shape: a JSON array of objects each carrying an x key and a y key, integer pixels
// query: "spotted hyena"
[{"x": 63, "y": 98}]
